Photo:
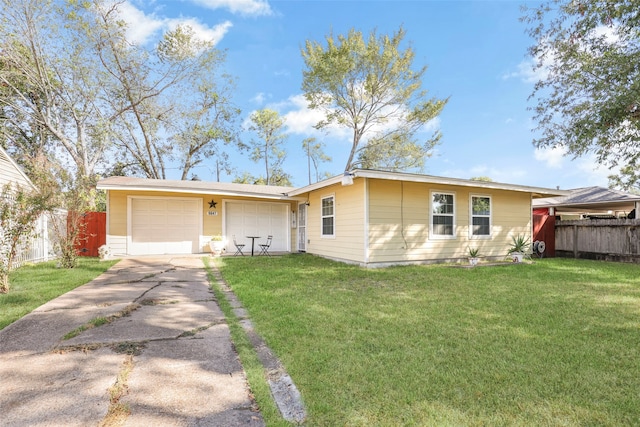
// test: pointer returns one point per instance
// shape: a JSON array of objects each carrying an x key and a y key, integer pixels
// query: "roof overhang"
[
  {"x": 590, "y": 200},
  {"x": 536, "y": 192},
  {"x": 198, "y": 187}
]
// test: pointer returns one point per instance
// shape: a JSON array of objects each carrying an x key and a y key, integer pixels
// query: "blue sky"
[{"x": 476, "y": 53}]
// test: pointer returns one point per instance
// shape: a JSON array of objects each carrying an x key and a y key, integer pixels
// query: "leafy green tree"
[
  {"x": 50, "y": 87},
  {"x": 19, "y": 210},
  {"x": 248, "y": 178},
  {"x": 481, "y": 178},
  {"x": 395, "y": 153},
  {"x": 169, "y": 103},
  {"x": 314, "y": 150},
  {"x": 205, "y": 128},
  {"x": 278, "y": 177},
  {"x": 73, "y": 86},
  {"x": 269, "y": 127},
  {"x": 628, "y": 179},
  {"x": 588, "y": 100},
  {"x": 370, "y": 88}
]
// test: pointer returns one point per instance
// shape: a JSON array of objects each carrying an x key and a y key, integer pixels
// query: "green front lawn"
[
  {"x": 34, "y": 285},
  {"x": 556, "y": 342}
]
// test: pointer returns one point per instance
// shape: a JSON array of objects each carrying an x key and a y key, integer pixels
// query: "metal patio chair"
[
  {"x": 264, "y": 247},
  {"x": 238, "y": 246}
]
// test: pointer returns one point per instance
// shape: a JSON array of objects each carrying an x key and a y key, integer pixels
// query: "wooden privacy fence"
[
  {"x": 93, "y": 233},
  {"x": 603, "y": 239}
]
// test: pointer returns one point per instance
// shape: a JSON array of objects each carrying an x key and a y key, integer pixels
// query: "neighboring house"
[
  {"x": 367, "y": 217},
  {"x": 590, "y": 202},
  {"x": 11, "y": 173},
  {"x": 589, "y": 222},
  {"x": 37, "y": 248}
]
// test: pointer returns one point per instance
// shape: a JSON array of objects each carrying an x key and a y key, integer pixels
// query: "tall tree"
[
  {"x": 204, "y": 128},
  {"x": 72, "y": 83},
  {"x": 371, "y": 88},
  {"x": 50, "y": 87},
  {"x": 269, "y": 127},
  {"x": 314, "y": 150},
  {"x": 395, "y": 153},
  {"x": 588, "y": 100},
  {"x": 170, "y": 103}
]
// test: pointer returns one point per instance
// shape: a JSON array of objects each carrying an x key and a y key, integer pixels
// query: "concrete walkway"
[{"x": 165, "y": 358}]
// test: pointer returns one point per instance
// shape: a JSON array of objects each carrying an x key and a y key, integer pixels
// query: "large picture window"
[
  {"x": 480, "y": 216},
  {"x": 443, "y": 215},
  {"x": 328, "y": 215}
]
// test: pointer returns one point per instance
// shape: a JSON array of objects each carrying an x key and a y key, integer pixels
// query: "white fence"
[{"x": 41, "y": 245}]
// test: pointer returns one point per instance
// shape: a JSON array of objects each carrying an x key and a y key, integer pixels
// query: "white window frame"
[
  {"x": 332, "y": 216},
  {"x": 471, "y": 216},
  {"x": 432, "y": 234}
]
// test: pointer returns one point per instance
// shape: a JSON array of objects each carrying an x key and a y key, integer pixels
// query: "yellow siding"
[
  {"x": 399, "y": 222},
  {"x": 348, "y": 243},
  {"x": 117, "y": 221}
]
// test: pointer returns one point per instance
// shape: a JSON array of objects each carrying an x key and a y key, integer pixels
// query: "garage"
[
  {"x": 164, "y": 225},
  {"x": 260, "y": 219}
]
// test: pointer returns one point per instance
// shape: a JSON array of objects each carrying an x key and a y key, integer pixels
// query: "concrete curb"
[{"x": 285, "y": 393}]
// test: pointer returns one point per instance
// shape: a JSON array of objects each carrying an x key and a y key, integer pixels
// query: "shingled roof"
[
  {"x": 590, "y": 199},
  {"x": 202, "y": 187}
]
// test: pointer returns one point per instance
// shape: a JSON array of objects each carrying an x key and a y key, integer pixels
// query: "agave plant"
[{"x": 519, "y": 243}]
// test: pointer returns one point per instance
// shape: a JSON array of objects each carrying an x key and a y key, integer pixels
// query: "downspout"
[{"x": 366, "y": 220}]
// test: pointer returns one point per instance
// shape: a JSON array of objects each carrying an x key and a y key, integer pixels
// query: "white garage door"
[
  {"x": 164, "y": 226},
  {"x": 261, "y": 219}
]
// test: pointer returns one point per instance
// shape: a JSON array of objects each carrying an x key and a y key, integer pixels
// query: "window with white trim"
[
  {"x": 328, "y": 215},
  {"x": 443, "y": 215},
  {"x": 480, "y": 216}
]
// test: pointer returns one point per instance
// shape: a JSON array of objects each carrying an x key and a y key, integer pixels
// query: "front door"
[{"x": 302, "y": 227}]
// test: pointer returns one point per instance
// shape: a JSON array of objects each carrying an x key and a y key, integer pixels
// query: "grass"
[
  {"x": 248, "y": 357},
  {"x": 99, "y": 321},
  {"x": 550, "y": 343},
  {"x": 118, "y": 412},
  {"x": 34, "y": 285}
]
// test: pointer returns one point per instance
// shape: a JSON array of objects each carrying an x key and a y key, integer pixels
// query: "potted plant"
[
  {"x": 473, "y": 256},
  {"x": 216, "y": 244},
  {"x": 519, "y": 246}
]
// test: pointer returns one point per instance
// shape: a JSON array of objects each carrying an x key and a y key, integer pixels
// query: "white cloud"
[
  {"x": 142, "y": 28},
  {"x": 201, "y": 31},
  {"x": 581, "y": 172},
  {"x": 594, "y": 173},
  {"x": 609, "y": 33},
  {"x": 301, "y": 120},
  {"x": 260, "y": 98},
  {"x": 282, "y": 73},
  {"x": 242, "y": 7},
  {"x": 528, "y": 72},
  {"x": 551, "y": 157}
]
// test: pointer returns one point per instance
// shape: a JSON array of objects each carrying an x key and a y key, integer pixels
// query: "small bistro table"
[{"x": 253, "y": 239}]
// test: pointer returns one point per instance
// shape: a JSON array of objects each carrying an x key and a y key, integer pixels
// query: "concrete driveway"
[{"x": 164, "y": 358}]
